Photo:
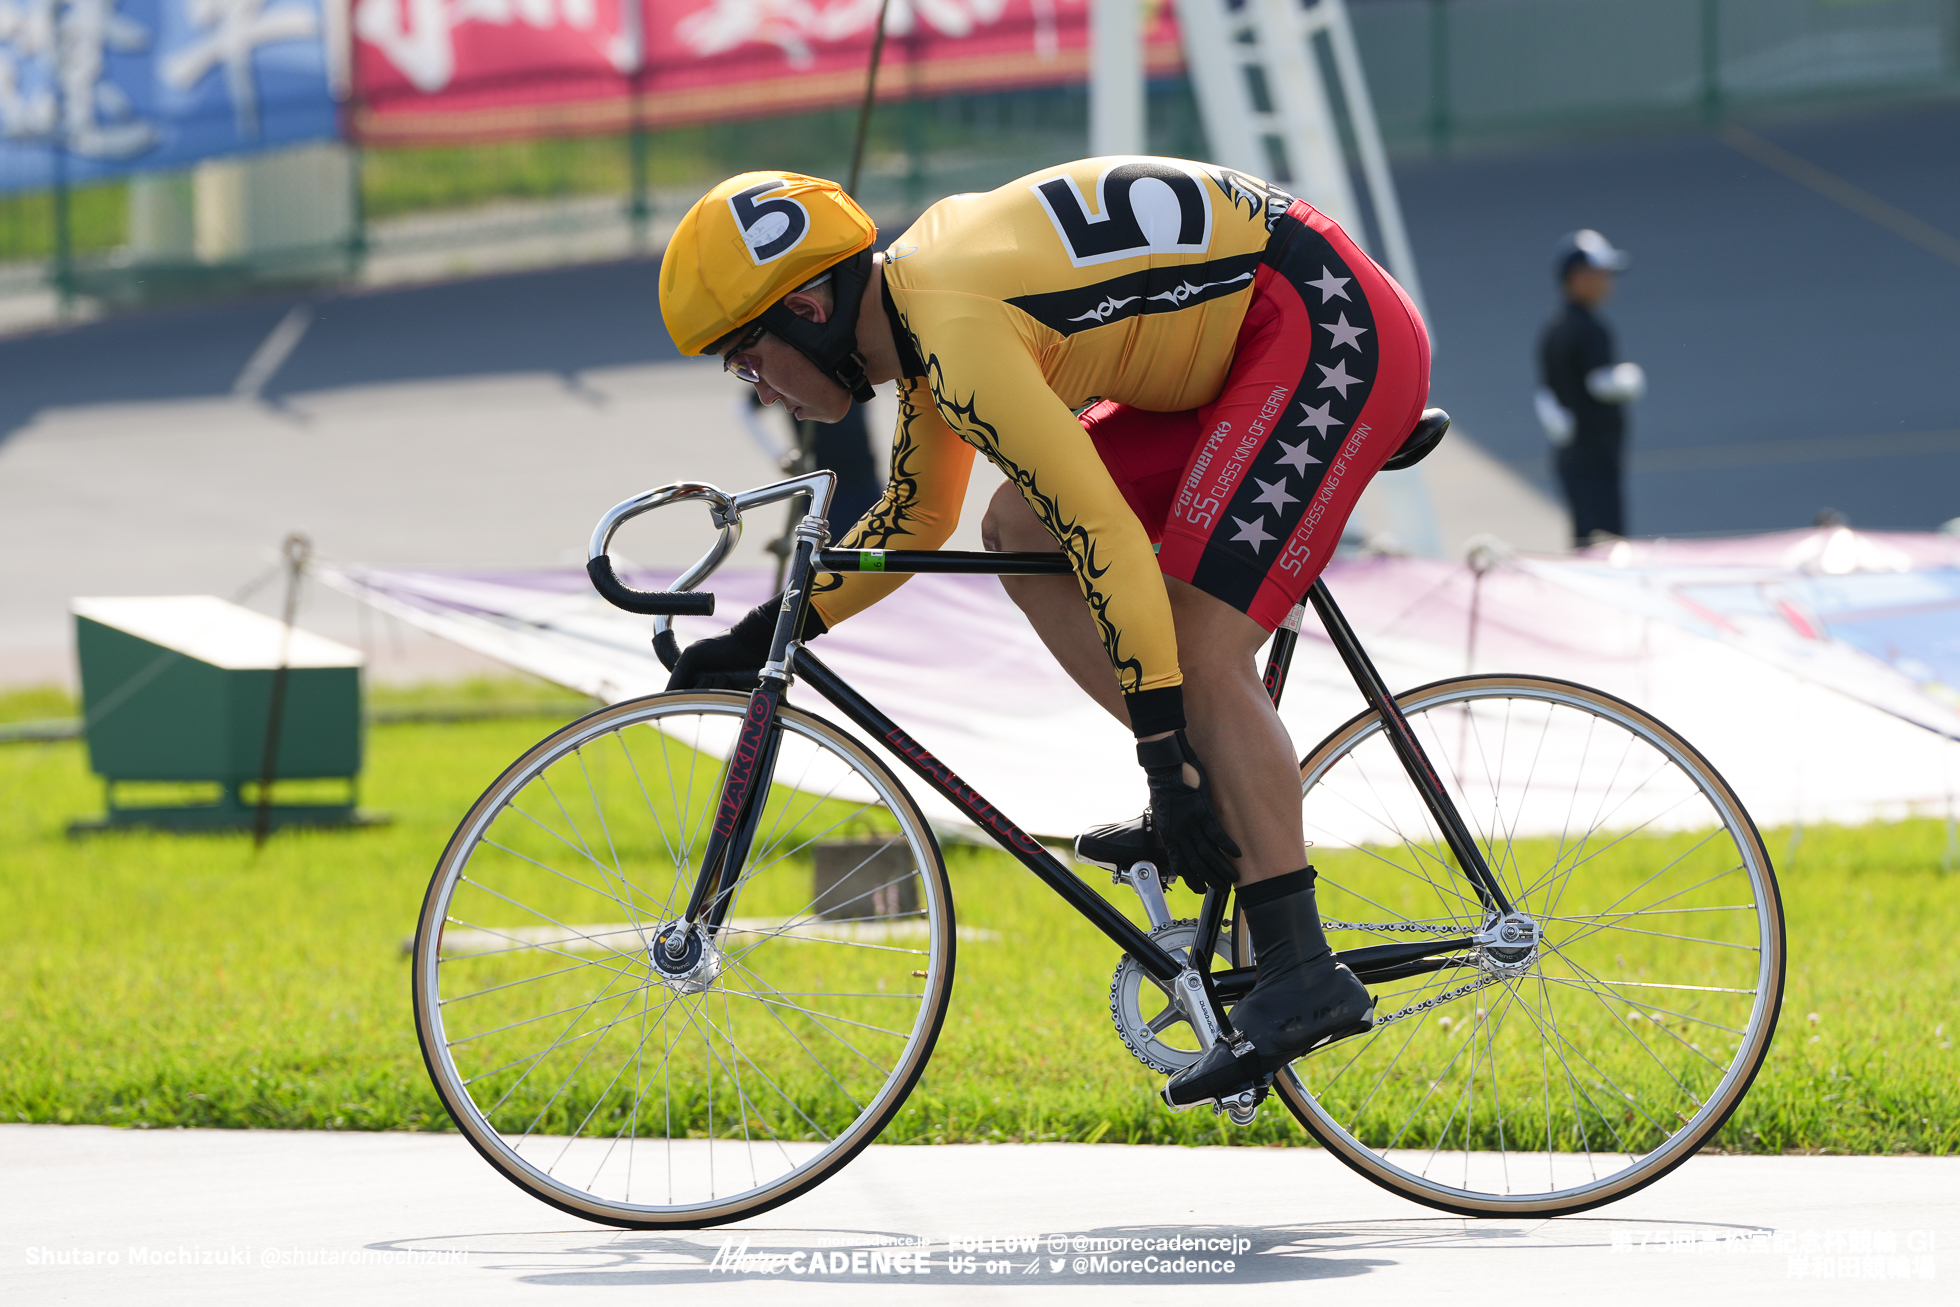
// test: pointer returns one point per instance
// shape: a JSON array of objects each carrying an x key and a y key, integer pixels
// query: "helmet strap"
[{"x": 831, "y": 345}]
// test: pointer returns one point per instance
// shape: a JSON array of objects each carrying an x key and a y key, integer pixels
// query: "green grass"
[
  {"x": 35, "y": 703},
  {"x": 98, "y": 220},
  {"x": 152, "y": 980},
  {"x": 395, "y": 181}
]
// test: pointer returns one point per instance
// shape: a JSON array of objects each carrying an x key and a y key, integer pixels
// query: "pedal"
[{"x": 1243, "y": 1106}]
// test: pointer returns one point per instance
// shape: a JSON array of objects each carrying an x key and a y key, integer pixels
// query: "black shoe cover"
[{"x": 1303, "y": 997}]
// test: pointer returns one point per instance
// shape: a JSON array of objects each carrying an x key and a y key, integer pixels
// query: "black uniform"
[{"x": 1574, "y": 344}]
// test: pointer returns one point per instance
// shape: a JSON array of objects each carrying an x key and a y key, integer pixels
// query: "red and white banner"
[{"x": 450, "y": 70}]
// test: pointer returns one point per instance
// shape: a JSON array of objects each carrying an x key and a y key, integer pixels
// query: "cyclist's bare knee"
[
  {"x": 1010, "y": 526},
  {"x": 1212, "y": 636}
]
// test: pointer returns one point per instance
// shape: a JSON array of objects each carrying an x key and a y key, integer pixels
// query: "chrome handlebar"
[{"x": 726, "y": 511}]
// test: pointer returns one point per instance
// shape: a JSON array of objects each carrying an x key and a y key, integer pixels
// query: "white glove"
[
  {"x": 1620, "y": 384},
  {"x": 1553, "y": 416}
]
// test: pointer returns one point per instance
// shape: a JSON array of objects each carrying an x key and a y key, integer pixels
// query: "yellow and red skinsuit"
[{"x": 1124, "y": 279}]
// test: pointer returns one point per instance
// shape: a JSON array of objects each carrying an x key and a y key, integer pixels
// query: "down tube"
[{"x": 1004, "y": 832}]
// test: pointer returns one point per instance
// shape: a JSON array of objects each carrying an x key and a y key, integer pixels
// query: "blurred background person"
[{"x": 1583, "y": 393}]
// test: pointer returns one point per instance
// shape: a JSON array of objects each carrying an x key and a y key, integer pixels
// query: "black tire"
[
  {"x": 597, "y": 1084},
  {"x": 1544, "y": 1089}
]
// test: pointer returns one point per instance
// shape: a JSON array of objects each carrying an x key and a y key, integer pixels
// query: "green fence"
[
  {"x": 1446, "y": 72},
  {"x": 1445, "y": 75}
]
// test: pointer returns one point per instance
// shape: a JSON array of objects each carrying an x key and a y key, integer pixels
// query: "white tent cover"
[{"x": 1818, "y": 670}]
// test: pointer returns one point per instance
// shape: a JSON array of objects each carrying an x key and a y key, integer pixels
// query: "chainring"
[{"x": 1132, "y": 988}]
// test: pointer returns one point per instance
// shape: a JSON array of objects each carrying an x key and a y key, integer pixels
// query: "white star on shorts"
[
  {"x": 1336, "y": 377},
  {"x": 1345, "y": 335},
  {"x": 1253, "y": 532},
  {"x": 1319, "y": 418},
  {"x": 1330, "y": 286},
  {"x": 1274, "y": 493},
  {"x": 1296, "y": 457}
]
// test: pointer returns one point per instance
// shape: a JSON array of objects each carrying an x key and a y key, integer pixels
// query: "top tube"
[{"x": 956, "y": 561}]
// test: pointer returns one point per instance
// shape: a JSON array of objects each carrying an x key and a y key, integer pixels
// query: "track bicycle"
[{"x": 689, "y": 954}]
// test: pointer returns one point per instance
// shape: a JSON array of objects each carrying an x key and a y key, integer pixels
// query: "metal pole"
[
  {"x": 64, "y": 249},
  {"x": 1116, "y": 112},
  {"x": 870, "y": 94},
  {"x": 639, "y": 212},
  {"x": 297, "y": 548},
  {"x": 1711, "y": 61},
  {"x": 357, "y": 241},
  {"x": 1439, "y": 77},
  {"x": 64, "y": 252},
  {"x": 915, "y": 129}
]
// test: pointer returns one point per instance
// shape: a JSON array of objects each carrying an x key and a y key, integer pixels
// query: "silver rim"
[
  {"x": 656, "y": 1095},
  {"x": 1577, "y": 1072}
]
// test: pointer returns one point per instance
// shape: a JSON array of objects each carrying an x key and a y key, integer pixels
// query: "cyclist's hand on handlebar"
[
  {"x": 733, "y": 660},
  {"x": 720, "y": 662},
  {"x": 1181, "y": 815}
]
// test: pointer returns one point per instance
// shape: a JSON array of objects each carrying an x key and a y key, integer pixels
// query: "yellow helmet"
[{"x": 749, "y": 242}]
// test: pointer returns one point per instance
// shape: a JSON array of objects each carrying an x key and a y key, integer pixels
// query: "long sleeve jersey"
[{"x": 1120, "y": 278}]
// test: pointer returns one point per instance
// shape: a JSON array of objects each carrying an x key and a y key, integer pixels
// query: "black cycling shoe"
[
  {"x": 1304, "y": 998},
  {"x": 1122, "y": 845}
]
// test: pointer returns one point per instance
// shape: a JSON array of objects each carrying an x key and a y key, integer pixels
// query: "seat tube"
[{"x": 1279, "y": 661}]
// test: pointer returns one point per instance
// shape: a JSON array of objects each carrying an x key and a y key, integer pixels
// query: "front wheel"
[
  {"x": 644, "y": 1093},
  {"x": 1554, "y": 1077}
]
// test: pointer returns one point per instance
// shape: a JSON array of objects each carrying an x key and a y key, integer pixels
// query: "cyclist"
[{"x": 1160, "y": 355}]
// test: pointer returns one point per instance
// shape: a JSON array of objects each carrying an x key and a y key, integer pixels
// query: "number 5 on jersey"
[{"x": 1144, "y": 206}]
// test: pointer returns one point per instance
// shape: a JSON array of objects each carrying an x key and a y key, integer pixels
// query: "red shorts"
[{"x": 1248, "y": 495}]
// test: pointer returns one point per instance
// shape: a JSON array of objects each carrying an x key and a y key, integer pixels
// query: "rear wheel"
[
  {"x": 1554, "y": 1078},
  {"x": 647, "y": 1095}
]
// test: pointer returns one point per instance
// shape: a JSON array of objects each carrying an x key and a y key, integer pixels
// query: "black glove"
[
  {"x": 733, "y": 660},
  {"x": 1195, "y": 842}
]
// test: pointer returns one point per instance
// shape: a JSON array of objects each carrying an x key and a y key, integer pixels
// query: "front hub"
[{"x": 683, "y": 957}]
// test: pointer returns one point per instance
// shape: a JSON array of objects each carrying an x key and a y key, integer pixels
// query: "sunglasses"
[{"x": 734, "y": 363}]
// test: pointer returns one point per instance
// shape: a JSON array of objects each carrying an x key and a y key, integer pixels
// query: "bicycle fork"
[{"x": 751, "y": 764}]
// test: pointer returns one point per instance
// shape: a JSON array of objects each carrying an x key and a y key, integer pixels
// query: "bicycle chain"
[
  {"x": 1392, "y": 928},
  {"x": 1447, "y": 996}
]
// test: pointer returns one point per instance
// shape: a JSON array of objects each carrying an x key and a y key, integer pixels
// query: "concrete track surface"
[{"x": 94, "y": 1215}]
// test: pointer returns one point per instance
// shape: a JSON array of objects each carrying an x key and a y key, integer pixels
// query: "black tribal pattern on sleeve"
[
  {"x": 892, "y": 516},
  {"x": 1075, "y": 539}
]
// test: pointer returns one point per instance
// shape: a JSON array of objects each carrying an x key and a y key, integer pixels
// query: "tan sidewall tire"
[
  {"x": 1680, "y": 1146},
  {"x": 898, "y": 1085}
]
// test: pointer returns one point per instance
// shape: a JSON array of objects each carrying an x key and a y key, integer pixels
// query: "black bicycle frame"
[{"x": 752, "y": 761}]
